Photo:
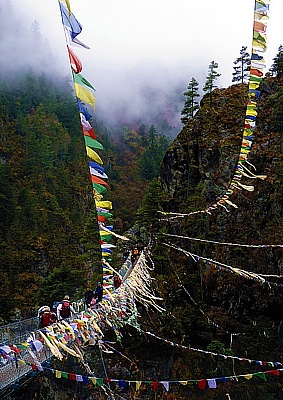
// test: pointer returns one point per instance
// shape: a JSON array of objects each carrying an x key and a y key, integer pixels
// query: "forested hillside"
[
  {"x": 45, "y": 195},
  {"x": 49, "y": 238}
]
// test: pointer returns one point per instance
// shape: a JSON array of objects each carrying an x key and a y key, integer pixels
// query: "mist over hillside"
[{"x": 143, "y": 95}]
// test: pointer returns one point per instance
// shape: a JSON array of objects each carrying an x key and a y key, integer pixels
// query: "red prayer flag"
[
  {"x": 273, "y": 372},
  {"x": 15, "y": 349},
  {"x": 202, "y": 384},
  {"x": 154, "y": 385},
  {"x": 76, "y": 64},
  {"x": 90, "y": 133},
  {"x": 259, "y": 26},
  {"x": 95, "y": 179},
  {"x": 256, "y": 72}
]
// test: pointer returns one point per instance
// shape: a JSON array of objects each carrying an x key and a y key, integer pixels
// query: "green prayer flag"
[
  {"x": 94, "y": 144},
  {"x": 81, "y": 80},
  {"x": 260, "y": 375},
  {"x": 102, "y": 214},
  {"x": 106, "y": 238},
  {"x": 99, "y": 381},
  {"x": 99, "y": 188}
]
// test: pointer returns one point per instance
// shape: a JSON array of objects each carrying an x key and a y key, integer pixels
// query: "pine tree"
[
  {"x": 242, "y": 66},
  {"x": 211, "y": 78},
  {"x": 190, "y": 105},
  {"x": 277, "y": 66},
  {"x": 152, "y": 134}
]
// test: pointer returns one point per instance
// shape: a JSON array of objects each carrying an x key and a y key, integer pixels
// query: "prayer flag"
[
  {"x": 67, "y": 4},
  {"x": 202, "y": 384},
  {"x": 93, "y": 155},
  {"x": 89, "y": 133},
  {"x": 81, "y": 80},
  {"x": 166, "y": 385},
  {"x": 93, "y": 380},
  {"x": 85, "y": 124},
  {"x": 83, "y": 110},
  {"x": 98, "y": 173},
  {"x": 70, "y": 21},
  {"x": 104, "y": 204},
  {"x": 94, "y": 144},
  {"x": 95, "y": 179},
  {"x": 96, "y": 166},
  {"x": 58, "y": 374},
  {"x": 84, "y": 94},
  {"x": 75, "y": 62},
  {"x": 99, "y": 188},
  {"x": 211, "y": 383}
]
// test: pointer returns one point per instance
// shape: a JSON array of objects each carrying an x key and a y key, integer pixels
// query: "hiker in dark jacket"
[
  {"x": 89, "y": 295},
  {"x": 98, "y": 292}
]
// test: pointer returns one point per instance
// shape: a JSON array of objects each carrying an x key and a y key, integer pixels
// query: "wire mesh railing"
[{"x": 16, "y": 333}]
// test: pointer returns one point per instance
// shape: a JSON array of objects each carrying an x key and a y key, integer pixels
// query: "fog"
[{"x": 142, "y": 54}]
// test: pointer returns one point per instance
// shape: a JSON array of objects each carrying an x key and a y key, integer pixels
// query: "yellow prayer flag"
[
  {"x": 254, "y": 85},
  {"x": 58, "y": 374},
  {"x": 104, "y": 233},
  {"x": 248, "y": 376},
  {"x": 104, "y": 204},
  {"x": 92, "y": 379},
  {"x": 256, "y": 43},
  {"x": 93, "y": 155},
  {"x": 138, "y": 385},
  {"x": 84, "y": 94},
  {"x": 251, "y": 112}
]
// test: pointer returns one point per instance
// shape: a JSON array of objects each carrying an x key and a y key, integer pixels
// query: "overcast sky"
[{"x": 160, "y": 43}]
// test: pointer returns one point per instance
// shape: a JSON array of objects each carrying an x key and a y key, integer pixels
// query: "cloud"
[{"x": 142, "y": 53}]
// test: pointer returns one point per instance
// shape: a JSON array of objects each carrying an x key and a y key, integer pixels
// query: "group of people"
[
  {"x": 64, "y": 309},
  {"x": 59, "y": 311},
  {"x": 92, "y": 298}
]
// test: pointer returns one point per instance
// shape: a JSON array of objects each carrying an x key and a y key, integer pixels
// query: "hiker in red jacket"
[
  {"x": 45, "y": 317},
  {"x": 64, "y": 309}
]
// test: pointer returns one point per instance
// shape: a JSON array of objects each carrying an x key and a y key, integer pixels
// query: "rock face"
[
  {"x": 196, "y": 171},
  {"x": 201, "y": 161},
  {"x": 205, "y": 152}
]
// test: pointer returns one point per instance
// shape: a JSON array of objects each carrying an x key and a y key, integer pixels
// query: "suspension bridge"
[{"x": 25, "y": 348}]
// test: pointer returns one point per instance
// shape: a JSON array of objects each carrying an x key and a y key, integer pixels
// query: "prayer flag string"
[{"x": 261, "y": 15}]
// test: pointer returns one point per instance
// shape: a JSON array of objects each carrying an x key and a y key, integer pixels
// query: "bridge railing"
[{"x": 16, "y": 333}]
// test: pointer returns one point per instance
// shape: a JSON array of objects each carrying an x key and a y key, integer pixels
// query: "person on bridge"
[
  {"x": 45, "y": 317},
  {"x": 65, "y": 309},
  {"x": 89, "y": 295},
  {"x": 98, "y": 292},
  {"x": 135, "y": 254}
]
